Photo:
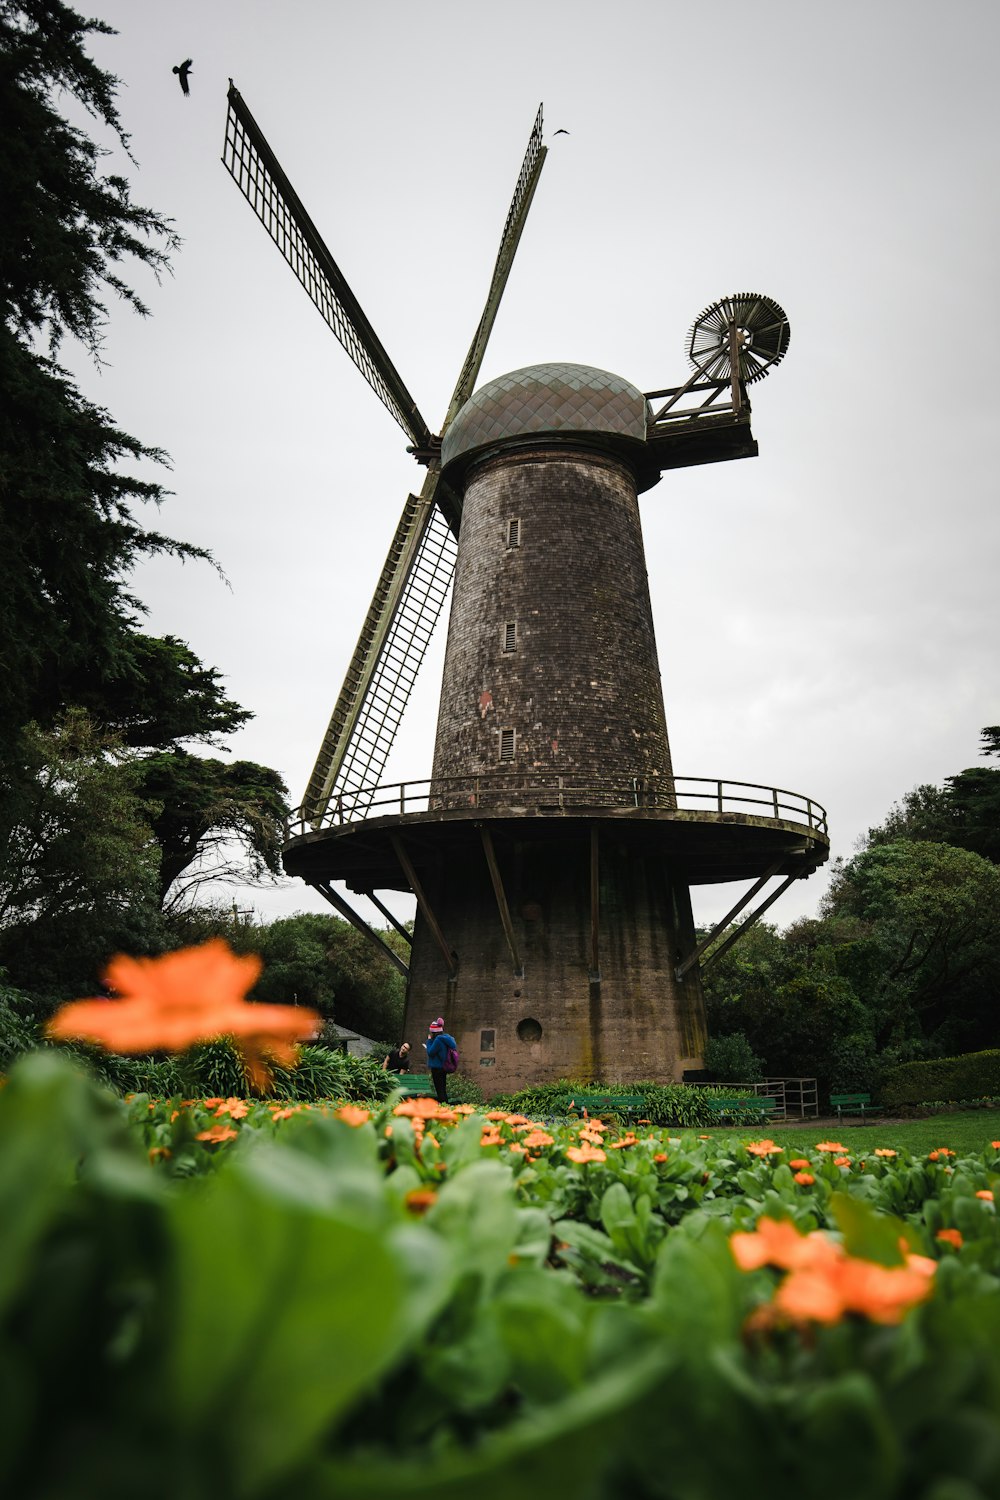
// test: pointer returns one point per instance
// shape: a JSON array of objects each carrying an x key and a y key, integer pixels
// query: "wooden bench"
[
  {"x": 854, "y": 1104},
  {"x": 747, "y": 1110},
  {"x": 416, "y": 1085},
  {"x": 630, "y": 1105}
]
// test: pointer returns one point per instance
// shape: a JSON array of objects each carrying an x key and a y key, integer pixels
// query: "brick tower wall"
[{"x": 552, "y": 637}]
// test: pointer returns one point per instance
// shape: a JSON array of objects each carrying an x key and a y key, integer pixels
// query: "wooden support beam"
[
  {"x": 407, "y": 936},
  {"x": 595, "y": 908},
  {"x": 720, "y": 927},
  {"x": 502, "y": 904},
  {"x": 356, "y": 920},
  {"x": 425, "y": 908},
  {"x": 762, "y": 908}
]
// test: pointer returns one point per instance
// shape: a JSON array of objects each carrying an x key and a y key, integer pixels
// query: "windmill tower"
[{"x": 553, "y": 848}]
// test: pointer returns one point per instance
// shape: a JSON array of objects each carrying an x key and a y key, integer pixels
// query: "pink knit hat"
[{"x": 437, "y": 1025}]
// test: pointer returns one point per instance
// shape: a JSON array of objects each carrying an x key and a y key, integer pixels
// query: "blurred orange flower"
[
  {"x": 799, "y": 1162},
  {"x": 660, "y": 1156},
  {"x": 217, "y": 1133},
  {"x": 986, "y": 1194},
  {"x": 825, "y": 1293},
  {"x": 236, "y": 1109},
  {"x": 490, "y": 1137},
  {"x": 941, "y": 1151},
  {"x": 884, "y": 1151},
  {"x": 805, "y": 1178},
  {"x": 995, "y": 1145},
  {"x": 764, "y": 1148},
  {"x": 420, "y": 1200},
  {"x": 951, "y": 1237},
  {"x": 586, "y": 1153},
  {"x": 841, "y": 1161},
  {"x": 626, "y": 1140},
  {"x": 777, "y": 1242},
  {"x": 193, "y": 995},
  {"x": 537, "y": 1138},
  {"x": 352, "y": 1114},
  {"x": 830, "y": 1146}
]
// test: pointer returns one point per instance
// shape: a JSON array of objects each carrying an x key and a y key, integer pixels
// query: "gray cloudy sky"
[{"x": 826, "y": 614}]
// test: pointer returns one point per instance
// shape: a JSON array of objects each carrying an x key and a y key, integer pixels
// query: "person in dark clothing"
[
  {"x": 437, "y": 1044},
  {"x": 398, "y": 1060}
]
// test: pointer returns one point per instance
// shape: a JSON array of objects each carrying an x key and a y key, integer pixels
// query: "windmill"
[{"x": 553, "y": 848}]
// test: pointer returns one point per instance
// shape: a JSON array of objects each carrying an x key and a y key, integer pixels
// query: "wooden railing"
[{"x": 543, "y": 795}]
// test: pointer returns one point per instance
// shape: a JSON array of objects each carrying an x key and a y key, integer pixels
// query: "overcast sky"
[{"x": 827, "y": 613}]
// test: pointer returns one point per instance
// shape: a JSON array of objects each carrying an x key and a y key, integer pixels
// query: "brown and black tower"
[{"x": 553, "y": 849}]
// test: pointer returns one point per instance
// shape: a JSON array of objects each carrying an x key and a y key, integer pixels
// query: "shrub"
[
  {"x": 971, "y": 1076},
  {"x": 731, "y": 1059}
]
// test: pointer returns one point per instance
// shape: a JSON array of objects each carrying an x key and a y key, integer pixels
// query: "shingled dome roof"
[{"x": 553, "y": 398}]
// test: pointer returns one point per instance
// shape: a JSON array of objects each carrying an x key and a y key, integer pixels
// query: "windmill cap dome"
[{"x": 547, "y": 399}]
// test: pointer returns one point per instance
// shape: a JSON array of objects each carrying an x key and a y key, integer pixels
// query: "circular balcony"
[{"x": 711, "y": 829}]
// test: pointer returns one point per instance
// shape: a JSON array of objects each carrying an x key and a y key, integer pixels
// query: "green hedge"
[
  {"x": 680, "y": 1104},
  {"x": 971, "y": 1076}
]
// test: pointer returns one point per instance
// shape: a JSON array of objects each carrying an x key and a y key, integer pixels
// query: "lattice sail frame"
[
  {"x": 418, "y": 570},
  {"x": 259, "y": 176}
]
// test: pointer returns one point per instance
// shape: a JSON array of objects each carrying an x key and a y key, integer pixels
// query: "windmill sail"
[
  {"x": 408, "y": 600},
  {"x": 259, "y": 176},
  {"x": 414, "y": 581},
  {"x": 411, "y": 590}
]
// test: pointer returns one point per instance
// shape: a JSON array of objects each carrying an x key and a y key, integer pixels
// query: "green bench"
[
  {"x": 744, "y": 1110},
  {"x": 629, "y": 1105},
  {"x": 854, "y": 1104},
  {"x": 416, "y": 1085}
]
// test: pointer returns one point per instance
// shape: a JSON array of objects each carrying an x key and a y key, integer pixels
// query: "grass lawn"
[{"x": 964, "y": 1131}]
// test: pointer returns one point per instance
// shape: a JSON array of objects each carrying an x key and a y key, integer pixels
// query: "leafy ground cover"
[
  {"x": 273, "y": 1299},
  {"x": 229, "y": 1298}
]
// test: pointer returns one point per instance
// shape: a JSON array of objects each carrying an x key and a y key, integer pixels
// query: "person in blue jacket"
[{"x": 437, "y": 1044}]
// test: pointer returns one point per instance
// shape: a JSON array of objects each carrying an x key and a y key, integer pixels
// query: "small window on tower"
[
  {"x": 514, "y": 532},
  {"x": 487, "y": 1041},
  {"x": 510, "y": 636},
  {"x": 506, "y": 744}
]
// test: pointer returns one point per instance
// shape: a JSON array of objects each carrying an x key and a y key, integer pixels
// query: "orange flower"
[
  {"x": 490, "y": 1138},
  {"x": 282, "y": 1114},
  {"x": 217, "y": 1133},
  {"x": 234, "y": 1108},
  {"x": 764, "y": 1148},
  {"x": 518, "y": 1120},
  {"x": 352, "y": 1114},
  {"x": 420, "y": 1107},
  {"x": 830, "y": 1146},
  {"x": 799, "y": 1162},
  {"x": 537, "y": 1138},
  {"x": 825, "y": 1293},
  {"x": 593, "y": 1136},
  {"x": 626, "y": 1140},
  {"x": 586, "y": 1153},
  {"x": 995, "y": 1145},
  {"x": 985, "y": 1194},
  {"x": 463, "y": 1109},
  {"x": 884, "y": 1151},
  {"x": 497, "y": 1114},
  {"x": 841, "y": 1161},
  {"x": 420, "y": 1200},
  {"x": 805, "y": 1178},
  {"x": 660, "y": 1156},
  {"x": 193, "y": 995},
  {"x": 159, "y": 1153},
  {"x": 951, "y": 1237},
  {"x": 777, "y": 1242},
  {"x": 941, "y": 1151}
]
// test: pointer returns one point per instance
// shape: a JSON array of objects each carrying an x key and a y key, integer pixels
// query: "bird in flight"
[
  {"x": 182, "y": 71},
  {"x": 555, "y": 132}
]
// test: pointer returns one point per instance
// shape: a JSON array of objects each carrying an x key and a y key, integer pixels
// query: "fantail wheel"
[{"x": 746, "y": 329}]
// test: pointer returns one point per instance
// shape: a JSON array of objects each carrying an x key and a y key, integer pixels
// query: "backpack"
[{"x": 450, "y": 1064}]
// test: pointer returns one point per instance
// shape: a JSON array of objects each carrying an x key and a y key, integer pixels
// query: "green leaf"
[{"x": 867, "y": 1233}]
